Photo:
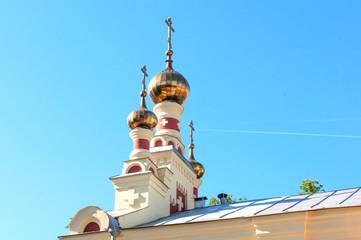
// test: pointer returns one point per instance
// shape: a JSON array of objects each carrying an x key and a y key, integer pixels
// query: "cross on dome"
[
  {"x": 143, "y": 93},
  {"x": 192, "y": 129},
  {"x": 169, "y": 52},
  {"x": 168, "y": 21},
  {"x": 144, "y": 70}
]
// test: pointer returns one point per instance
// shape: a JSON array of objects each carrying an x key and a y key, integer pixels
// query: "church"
[{"x": 156, "y": 194}]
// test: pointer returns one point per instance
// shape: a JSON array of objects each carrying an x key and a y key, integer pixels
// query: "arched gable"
[{"x": 91, "y": 214}]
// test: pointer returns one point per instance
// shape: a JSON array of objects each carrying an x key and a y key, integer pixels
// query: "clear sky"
[{"x": 70, "y": 75}]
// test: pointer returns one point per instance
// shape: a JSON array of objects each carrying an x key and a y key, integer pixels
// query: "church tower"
[{"x": 157, "y": 180}]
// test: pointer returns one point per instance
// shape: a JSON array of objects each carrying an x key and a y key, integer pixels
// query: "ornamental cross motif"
[
  {"x": 192, "y": 129},
  {"x": 163, "y": 122},
  {"x": 132, "y": 196},
  {"x": 168, "y": 21},
  {"x": 144, "y": 70},
  {"x": 180, "y": 203}
]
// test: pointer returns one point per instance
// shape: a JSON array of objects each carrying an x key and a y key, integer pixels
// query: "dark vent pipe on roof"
[{"x": 222, "y": 197}]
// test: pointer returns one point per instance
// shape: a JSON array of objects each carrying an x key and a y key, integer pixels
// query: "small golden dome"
[
  {"x": 197, "y": 166},
  {"x": 143, "y": 118},
  {"x": 168, "y": 85}
]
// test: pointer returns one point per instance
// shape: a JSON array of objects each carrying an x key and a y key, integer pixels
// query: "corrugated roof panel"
[
  {"x": 284, "y": 205},
  {"x": 333, "y": 199},
  {"x": 220, "y": 211},
  {"x": 336, "y": 199},
  {"x": 353, "y": 199},
  {"x": 254, "y": 208},
  {"x": 308, "y": 203}
]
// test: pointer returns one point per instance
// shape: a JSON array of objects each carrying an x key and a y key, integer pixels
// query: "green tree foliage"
[
  {"x": 310, "y": 186},
  {"x": 214, "y": 201}
]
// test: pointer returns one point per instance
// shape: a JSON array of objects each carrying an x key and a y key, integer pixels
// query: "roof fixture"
[
  {"x": 114, "y": 232},
  {"x": 200, "y": 202},
  {"x": 222, "y": 197}
]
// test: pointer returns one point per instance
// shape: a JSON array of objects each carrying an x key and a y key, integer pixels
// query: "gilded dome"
[
  {"x": 198, "y": 168},
  {"x": 168, "y": 85},
  {"x": 143, "y": 118}
]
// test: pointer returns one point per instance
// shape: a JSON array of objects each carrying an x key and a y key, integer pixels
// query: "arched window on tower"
[
  {"x": 91, "y": 227},
  {"x": 152, "y": 170},
  {"x": 159, "y": 143},
  {"x": 171, "y": 143},
  {"x": 135, "y": 169}
]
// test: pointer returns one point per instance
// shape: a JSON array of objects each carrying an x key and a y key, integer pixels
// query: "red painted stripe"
[
  {"x": 141, "y": 143},
  {"x": 168, "y": 123}
]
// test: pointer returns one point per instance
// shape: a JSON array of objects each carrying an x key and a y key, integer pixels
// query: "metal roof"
[{"x": 296, "y": 203}]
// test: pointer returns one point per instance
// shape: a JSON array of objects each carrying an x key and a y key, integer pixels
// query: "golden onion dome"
[
  {"x": 168, "y": 85},
  {"x": 142, "y": 117},
  {"x": 197, "y": 166}
]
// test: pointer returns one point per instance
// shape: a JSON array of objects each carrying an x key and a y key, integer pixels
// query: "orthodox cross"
[
  {"x": 180, "y": 203},
  {"x": 168, "y": 21},
  {"x": 144, "y": 70},
  {"x": 192, "y": 129}
]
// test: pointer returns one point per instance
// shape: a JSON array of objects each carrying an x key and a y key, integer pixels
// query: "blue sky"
[{"x": 70, "y": 75}]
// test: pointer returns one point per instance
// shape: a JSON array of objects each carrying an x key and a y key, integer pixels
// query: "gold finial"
[
  {"x": 143, "y": 93},
  {"x": 169, "y": 52}
]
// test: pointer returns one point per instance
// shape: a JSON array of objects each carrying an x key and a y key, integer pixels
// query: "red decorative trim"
[
  {"x": 141, "y": 143},
  {"x": 180, "y": 151},
  {"x": 169, "y": 123},
  {"x": 91, "y": 227},
  {"x": 134, "y": 169},
  {"x": 152, "y": 170},
  {"x": 159, "y": 143},
  {"x": 171, "y": 143},
  {"x": 173, "y": 209},
  {"x": 195, "y": 191}
]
